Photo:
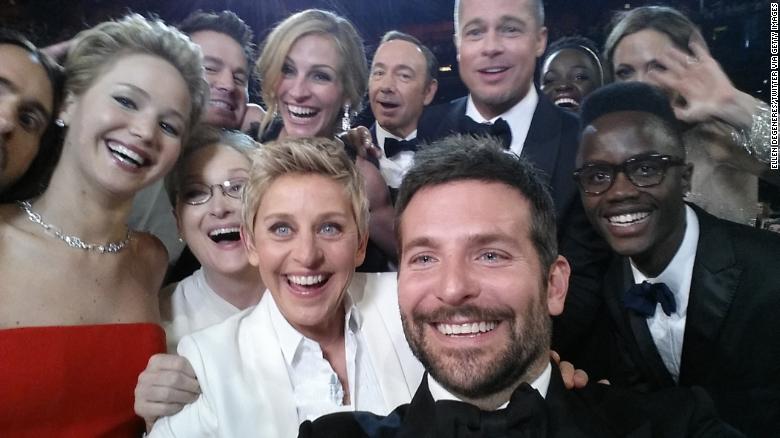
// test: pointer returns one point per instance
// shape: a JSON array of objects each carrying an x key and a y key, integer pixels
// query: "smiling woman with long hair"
[{"x": 79, "y": 288}]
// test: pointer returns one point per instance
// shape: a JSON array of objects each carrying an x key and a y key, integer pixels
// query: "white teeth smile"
[
  {"x": 493, "y": 70},
  {"x": 219, "y": 231},
  {"x": 126, "y": 155},
  {"x": 469, "y": 328},
  {"x": 306, "y": 280},
  {"x": 624, "y": 220},
  {"x": 567, "y": 102},
  {"x": 300, "y": 111},
  {"x": 222, "y": 104}
]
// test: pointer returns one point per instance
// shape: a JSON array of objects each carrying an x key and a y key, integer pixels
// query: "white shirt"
[
  {"x": 152, "y": 212},
  {"x": 393, "y": 169},
  {"x": 541, "y": 384},
  {"x": 194, "y": 306},
  {"x": 518, "y": 117},
  {"x": 317, "y": 389},
  {"x": 668, "y": 331}
]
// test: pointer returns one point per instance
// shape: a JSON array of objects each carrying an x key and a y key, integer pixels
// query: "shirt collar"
[
  {"x": 291, "y": 339},
  {"x": 675, "y": 273},
  {"x": 382, "y": 134},
  {"x": 540, "y": 384},
  {"x": 517, "y": 117}
]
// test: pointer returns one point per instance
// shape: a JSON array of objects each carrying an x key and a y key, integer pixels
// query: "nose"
[
  {"x": 221, "y": 205},
  {"x": 224, "y": 81},
  {"x": 299, "y": 88},
  {"x": 563, "y": 86},
  {"x": 387, "y": 83},
  {"x": 622, "y": 188},
  {"x": 492, "y": 44},
  {"x": 307, "y": 251},
  {"x": 457, "y": 285},
  {"x": 143, "y": 126},
  {"x": 7, "y": 116}
]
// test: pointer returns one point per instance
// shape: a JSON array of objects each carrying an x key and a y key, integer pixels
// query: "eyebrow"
[
  {"x": 139, "y": 90},
  {"x": 221, "y": 63},
  {"x": 34, "y": 104},
  {"x": 473, "y": 239}
]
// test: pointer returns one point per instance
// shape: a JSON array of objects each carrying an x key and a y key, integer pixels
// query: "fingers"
[
  {"x": 170, "y": 362},
  {"x": 580, "y": 379},
  {"x": 567, "y": 374},
  {"x": 555, "y": 356},
  {"x": 604, "y": 382}
]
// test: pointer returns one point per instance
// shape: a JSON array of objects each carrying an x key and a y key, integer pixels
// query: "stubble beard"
[{"x": 468, "y": 372}]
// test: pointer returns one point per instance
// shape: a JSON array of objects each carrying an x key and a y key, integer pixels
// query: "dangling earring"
[
  {"x": 59, "y": 122},
  {"x": 345, "y": 123}
]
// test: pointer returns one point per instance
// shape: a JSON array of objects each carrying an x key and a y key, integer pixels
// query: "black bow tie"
[
  {"x": 526, "y": 416},
  {"x": 393, "y": 147},
  {"x": 499, "y": 129},
  {"x": 644, "y": 297}
]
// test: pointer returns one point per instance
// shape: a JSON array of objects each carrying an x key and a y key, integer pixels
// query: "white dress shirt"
[
  {"x": 668, "y": 331},
  {"x": 518, "y": 117},
  {"x": 540, "y": 384},
  {"x": 317, "y": 389},
  {"x": 193, "y": 306},
  {"x": 394, "y": 168}
]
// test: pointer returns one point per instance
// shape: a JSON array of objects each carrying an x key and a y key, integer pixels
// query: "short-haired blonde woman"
[
  {"x": 79, "y": 289},
  {"x": 314, "y": 73},
  {"x": 322, "y": 339}
]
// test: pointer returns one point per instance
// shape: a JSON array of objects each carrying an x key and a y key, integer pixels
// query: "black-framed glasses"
[
  {"x": 199, "y": 193},
  {"x": 642, "y": 170}
]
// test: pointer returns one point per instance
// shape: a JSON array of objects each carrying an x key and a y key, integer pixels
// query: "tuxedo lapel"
[
  {"x": 544, "y": 136},
  {"x": 713, "y": 288},
  {"x": 638, "y": 343}
]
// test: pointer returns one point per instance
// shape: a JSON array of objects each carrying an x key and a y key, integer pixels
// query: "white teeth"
[
  {"x": 565, "y": 101},
  {"x": 219, "y": 231},
  {"x": 222, "y": 104},
  {"x": 469, "y": 328},
  {"x": 301, "y": 111},
  {"x": 125, "y": 154},
  {"x": 306, "y": 280},
  {"x": 627, "y": 219},
  {"x": 494, "y": 70}
]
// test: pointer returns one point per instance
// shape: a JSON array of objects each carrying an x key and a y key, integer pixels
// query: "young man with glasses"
[{"x": 690, "y": 299}]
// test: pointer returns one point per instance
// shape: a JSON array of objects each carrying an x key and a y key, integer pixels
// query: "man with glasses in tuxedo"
[{"x": 692, "y": 299}]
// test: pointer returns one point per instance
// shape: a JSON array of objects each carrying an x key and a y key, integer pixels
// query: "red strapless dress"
[{"x": 73, "y": 381}]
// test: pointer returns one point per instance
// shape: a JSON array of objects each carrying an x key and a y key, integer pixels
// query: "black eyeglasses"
[
  {"x": 642, "y": 170},
  {"x": 199, "y": 193}
]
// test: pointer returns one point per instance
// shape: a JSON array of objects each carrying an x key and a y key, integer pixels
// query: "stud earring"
[
  {"x": 59, "y": 122},
  {"x": 345, "y": 122}
]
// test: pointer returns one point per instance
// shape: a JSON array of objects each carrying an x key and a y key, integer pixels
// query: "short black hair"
[
  {"x": 226, "y": 22},
  {"x": 36, "y": 178},
  {"x": 631, "y": 96},
  {"x": 431, "y": 63},
  {"x": 576, "y": 42},
  {"x": 468, "y": 157}
]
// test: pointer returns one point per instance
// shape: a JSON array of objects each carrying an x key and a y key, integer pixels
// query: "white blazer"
[{"x": 246, "y": 390}]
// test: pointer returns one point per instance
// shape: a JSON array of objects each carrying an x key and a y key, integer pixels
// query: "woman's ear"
[{"x": 67, "y": 108}]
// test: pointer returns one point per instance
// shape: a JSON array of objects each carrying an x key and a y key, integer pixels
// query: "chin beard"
[{"x": 466, "y": 372}]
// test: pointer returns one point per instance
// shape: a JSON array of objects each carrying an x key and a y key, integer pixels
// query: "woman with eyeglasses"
[{"x": 206, "y": 187}]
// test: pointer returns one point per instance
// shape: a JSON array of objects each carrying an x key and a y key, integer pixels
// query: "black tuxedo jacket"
[
  {"x": 731, "y": 345},
  {"x": 551, "y": 145},
  {"x": 594, "y": 411}
]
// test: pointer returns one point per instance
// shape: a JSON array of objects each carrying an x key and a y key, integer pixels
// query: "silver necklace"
[{"x": 73, "y": 241}]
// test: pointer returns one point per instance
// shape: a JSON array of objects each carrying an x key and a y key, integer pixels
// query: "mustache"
[{"x": 468, "y": 311}]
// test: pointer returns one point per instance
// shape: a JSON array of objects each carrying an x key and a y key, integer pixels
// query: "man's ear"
[
  {"x": 541, "y": 41},
  {"x": 249, "y": 247},
  {"x": 430, "y": 91},
  {"x": 557, "y": 285}
]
